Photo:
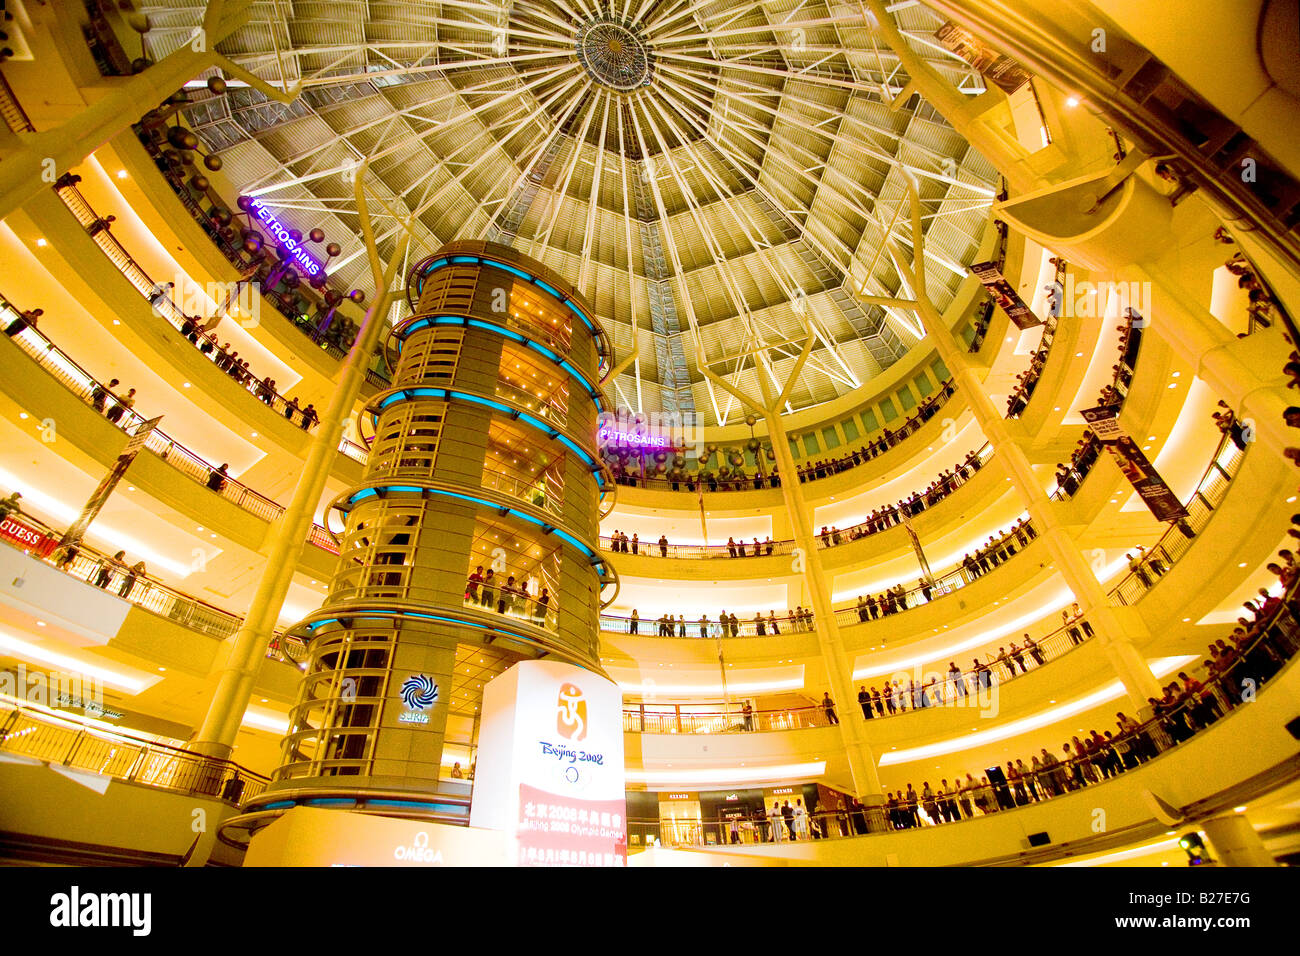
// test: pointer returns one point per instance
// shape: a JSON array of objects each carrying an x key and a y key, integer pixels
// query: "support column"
[
  {"x": 839, "y": 668},
  {"x": 1124, "y": 657},
  {"x": 1235, "y": 842},
  {"x": 216, "y": 737}
]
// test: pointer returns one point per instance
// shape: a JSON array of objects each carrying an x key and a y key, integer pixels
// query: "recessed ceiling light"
[
  {"x": 23, "y": 416},
  {"x": 41, "y": 243},
  {"x": 40, "y": 623},
  {"x": 121, "y": 174},
  {"x": 1072, "y": 101}
]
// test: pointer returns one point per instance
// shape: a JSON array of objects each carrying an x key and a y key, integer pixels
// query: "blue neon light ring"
[
  {"x": 591, "y": 555},
  {"x": 460, "y": 259},
  {"x": 402, "y": 332},
  {"x": 406, "y": 394}
]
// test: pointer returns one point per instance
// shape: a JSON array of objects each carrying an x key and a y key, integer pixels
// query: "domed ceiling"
[{"x": 716, "y": 177}]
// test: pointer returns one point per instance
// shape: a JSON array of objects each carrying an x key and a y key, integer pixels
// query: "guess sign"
[{"x": 29, "y": 539}]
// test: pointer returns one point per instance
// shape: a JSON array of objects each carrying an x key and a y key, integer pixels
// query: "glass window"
[
  {"x": 810, "y": 444},
  {"x": 922, "y": 384},
  {"x": 850, "y": 429},
  {"x": 887, "y": 409},
  {"x": 869, "y": 422},
  {"x": 906, "y": 399},
  {"x": 831, "y": 437}
]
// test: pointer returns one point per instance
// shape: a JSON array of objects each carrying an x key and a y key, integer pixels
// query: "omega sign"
[{"x": 419, "y": 851}]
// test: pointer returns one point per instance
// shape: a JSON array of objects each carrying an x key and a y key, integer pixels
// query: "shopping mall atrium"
[{"x": 649, "y": 433}]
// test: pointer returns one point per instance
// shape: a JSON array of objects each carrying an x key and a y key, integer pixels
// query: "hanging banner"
[
  {"x": 998, "y": 68},
  {"x": 1005, "y": 295},
  {"x": 77, "y": 529},
  {"x": 916, "y": 546},
  {"x": 1158, "y": 496}
]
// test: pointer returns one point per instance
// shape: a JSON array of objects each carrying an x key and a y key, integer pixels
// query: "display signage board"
[
  {"x": 1005, "y": 295},
  {"x": 1133, "y": 462},
  {"x": 29, "y": 539},
  {"x": 550, "y": 766},
  {"x": 998, "y": 68},
  {"x": 281, "y": 233}
]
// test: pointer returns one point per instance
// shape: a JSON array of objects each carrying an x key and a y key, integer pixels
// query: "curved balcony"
[
  {"x": 1210, "y": 702},
  {"x": 164, "y": 307},
  {"x": 810, "y": 471}
]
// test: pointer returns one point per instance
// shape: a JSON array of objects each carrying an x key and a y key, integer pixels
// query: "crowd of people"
[
  {"x": 890, "y": 515},
  {"x": 314, "y": 317},
  {"x": 995, "y": 551},
  {"x": 486, "y": 590},
  {"x": 1027, "y": 380},
  {"x": 738, "y": 479},
  {"x": 1088, "y": 447},
  {"x": 192, "y": 329},
  {"x": 727, "y": 625},
  {"x": 1228, "y": 676},
  {"x": 815, "y": 470}
]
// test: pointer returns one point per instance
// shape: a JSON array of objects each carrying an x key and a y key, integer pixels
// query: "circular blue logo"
[{"x": 419, "y": 692}]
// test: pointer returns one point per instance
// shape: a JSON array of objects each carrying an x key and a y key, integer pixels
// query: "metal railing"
[
  {"x": 164, "y": 307},
  {"x": 885, "y": 518},
  {"x": 37, "y": 732},
  {"x": 808, "y": 471},
  {"x": 234, "y": 254},
  {"x": 1084, "y": 459},
  {"x": 1178, "y": 719},
  {"x": 11, "y": 110},
  {"x": 1175, "y": 542},
  {"x": 984, "y": 560},
  {"x": 673, "y": 719},
  {"x": 78, "y": 381},
  {"x": 143, "y": 590}
]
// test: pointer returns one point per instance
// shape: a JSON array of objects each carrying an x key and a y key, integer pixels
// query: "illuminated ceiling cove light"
[
  {"x": 727, "y": 775},
  {"x": 121, "y": 680},
  {"x": 265, "y": 720},
  {"x": 1109, "y": 692}
]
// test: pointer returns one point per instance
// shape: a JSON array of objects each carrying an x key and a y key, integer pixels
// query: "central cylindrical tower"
[{"x": 471, "y": 542}]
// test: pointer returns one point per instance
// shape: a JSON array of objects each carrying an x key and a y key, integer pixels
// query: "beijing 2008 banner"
[
  {"x": 549, "y": 765},
  {"x": 1005, "y": 295},
  {"x": 1146, "y": 481}
]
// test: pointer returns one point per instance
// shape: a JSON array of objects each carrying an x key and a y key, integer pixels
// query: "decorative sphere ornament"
[
  {"x": 244, "y": 203},
  {"x": 357, "y": 296},
  {"x": 140, "y": 64},
  {"x": 212, "y": 162},
  {"x": 182, "y": 138},
  {"x": 252, "y": 245},
  {"x": 724, "y": 471},
  {"x": 292, "y": 279},
  {"x": 317, "y": 281},
  {"x": 222, "y": 216},
  {"x": 333, "y": 249},
  {"x": 138, "y": 22},
  {"x": 295, "y": 235},
  {"x": 661, "y": 468},
  {"x": 661, "y": 456},
  {"x": 752, "y": 444},
  {"x": 751, "y": 421},
  {"x": 217, "y": 85},
  {"x": 200, "y": 182},
  {"x": 316, "y": 235}
]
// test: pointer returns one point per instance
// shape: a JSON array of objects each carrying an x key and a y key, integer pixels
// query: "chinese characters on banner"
[
  {"x": 1005, "y": 295},
  {"x": 556, "y": 830},
  {"x": 1146, "y": 481}
]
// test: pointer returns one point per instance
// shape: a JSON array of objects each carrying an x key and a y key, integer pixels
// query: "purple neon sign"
[{"x": 281, "y": 233}]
